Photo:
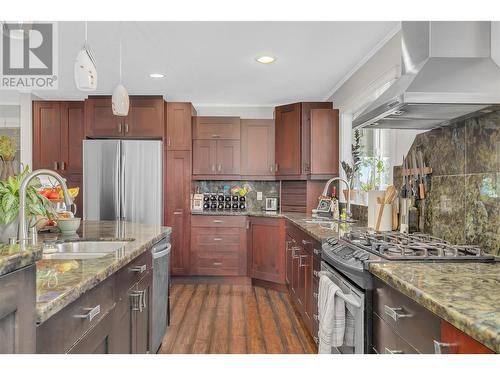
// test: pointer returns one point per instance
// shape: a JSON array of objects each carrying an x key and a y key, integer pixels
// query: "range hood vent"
[{"x": 447, "y": 73}]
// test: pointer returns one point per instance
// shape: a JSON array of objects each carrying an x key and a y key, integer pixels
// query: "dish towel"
[
  {"x": 331, "y": 311},
  {"x": 349, "y": 325}
]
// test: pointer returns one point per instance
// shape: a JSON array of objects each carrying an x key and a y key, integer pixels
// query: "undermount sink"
[{"x": 82, "y": 249}]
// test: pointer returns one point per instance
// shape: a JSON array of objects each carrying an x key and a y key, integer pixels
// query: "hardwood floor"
[{"x": 222, "y": 318}]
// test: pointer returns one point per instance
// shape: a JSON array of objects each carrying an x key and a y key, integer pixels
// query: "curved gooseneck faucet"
[
  {"x": 327, "y": 187},
  {"x": 23, "y": 232}
]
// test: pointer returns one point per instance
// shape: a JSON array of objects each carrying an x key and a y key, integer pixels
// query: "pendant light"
[
  {"x": 120, "y": 100},
  {"x": 85, "y": 71}
]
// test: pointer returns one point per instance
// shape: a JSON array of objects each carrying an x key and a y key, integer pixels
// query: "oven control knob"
[{"x": 364, "y": 256}]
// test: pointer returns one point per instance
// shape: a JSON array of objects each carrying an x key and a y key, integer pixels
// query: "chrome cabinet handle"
[
  {"x": 119, "y": 127},
  {"x": 276, "y": 167},
  {"x": 315, "y": 295},
  {"x": 213, "y": 167},
  {"x": 316, "y": 340},
  {"x": 316, "y": 317},
  {"x": 56, "y": 165},
  {"x": 294, "y": 249},
  {"x": 395, "y": 351},
  {"x": 140, "y": 269},
  {"x": 317, "y": 252},
  {"x": 217, "y": 239},
  {"x": 177, "y": 213},
  {"x": 219, "y": 167},
  {"x": 395, "y": 313},
  {"x": 144, "y": 302},
  {"x": 271, "y": 168},
  {"x": 316, "y": 273},
  {"x": 63, "y": 166},
  {"x": 168, "y": 141},
  {"x": 126, "y": 128},
  {"x": 439, "y": 346},
  {"x": 91, "y": 314},
  {"x": 215, "y": 136},
  {"x": 300, "y": 261},
  {"x": 218, "y": 221},
  {"x": 136, "y": 300},
  {"x": 305, "y": 242},
  {"x": 217, "y": 263}
]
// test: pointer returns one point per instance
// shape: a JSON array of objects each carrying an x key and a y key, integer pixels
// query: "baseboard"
[
  {"x": 233, "y": 280},
  {"x": 270, "y": 285}
]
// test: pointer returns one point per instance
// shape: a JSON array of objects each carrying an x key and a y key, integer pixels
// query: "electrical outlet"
[{"x": 259, "y": 195}]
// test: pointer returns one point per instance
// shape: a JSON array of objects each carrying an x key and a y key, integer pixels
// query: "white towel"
[
  {"x": 349, "y": 325},
  {"x": 331, "y": 311}
]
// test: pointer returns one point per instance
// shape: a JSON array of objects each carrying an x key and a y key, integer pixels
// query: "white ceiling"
[{"x": 213, "y": 63}]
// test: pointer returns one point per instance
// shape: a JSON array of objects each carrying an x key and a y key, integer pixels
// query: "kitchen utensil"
[
  {"x": 423, "y": 188},
  {"x": 415, "y": 172},
  {"x": 394, "y": 217},
  {"x": 389, "y": 197}
]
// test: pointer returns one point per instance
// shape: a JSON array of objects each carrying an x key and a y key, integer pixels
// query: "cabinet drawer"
[
  {"x": 412, "y": 322},
  {"x": 61, "y": 331},
  {"x": 386, "y": 341},
  {"x": 133, "y": 272},
  {"x": 206, "y": 127},
  {"x": 218, "y": 221},
  {"x": 216, "y": 239},
  {"x": 217, "y": 264}
]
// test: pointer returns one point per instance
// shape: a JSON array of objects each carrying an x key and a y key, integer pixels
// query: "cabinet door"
[
  {"x": 296, "y": 277},
  {"x": 210, "y": 127},
  {"x": 72, "y": 135},
  {"x": 306, "y": 265},
  {"x": 204, "y": 157},
  {"x": 98, "y": 340},
  {"x": 268, "y": 249},
  {"x": 47, "y": 135},
  {"x": 454, "y": 341},
  {"x": 324, "y": 142},
  {"x": 289, "y": 246},
  {"x": 179, "y": 126},
  {"x": 145, "y": 118},
  {"x": 287, "y": 141},
  {"x": 178, "y": 188},
  {"x": 99, "y": 119},
  {"x": 142, "y": 317},
  {"x": 228, "y": 157},
  {"x": 257, "y": 148}
]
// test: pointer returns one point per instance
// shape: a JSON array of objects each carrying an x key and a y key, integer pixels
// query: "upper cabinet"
[
  {"x": 178, "y": 118},
  {"x": 216, "y": 148},
  {"x": 296, "y": 151},
  {"x": 58, "y": 132},
  {"x": 257, "y": 149},
  {"x": 209, "y": 127},
  {"x": 144, "y": 120}
]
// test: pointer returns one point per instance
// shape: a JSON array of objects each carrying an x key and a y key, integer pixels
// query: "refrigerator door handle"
[
  {"x": 117, "y": 186},
  {"x": 122, "y": 185}
]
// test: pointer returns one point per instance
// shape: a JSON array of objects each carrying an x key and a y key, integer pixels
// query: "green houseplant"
[
  {"x": 352, "y": 170},
  {"x": 36, "y": 204},
  {"x": 8, "y": 149}
]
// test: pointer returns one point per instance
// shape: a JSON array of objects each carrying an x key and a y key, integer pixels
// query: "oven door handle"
[{"x": 346, "y": 297}]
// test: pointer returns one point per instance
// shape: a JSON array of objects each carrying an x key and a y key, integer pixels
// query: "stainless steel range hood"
[{"x": 446, "y": 73}]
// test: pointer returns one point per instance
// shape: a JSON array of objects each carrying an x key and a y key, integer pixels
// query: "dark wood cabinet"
[
  {"x": 296, "y": 151},
  {"x": 267, "y": 249},
  {"x": 98, "y": 340},
  {"x": 179, "y": 118},
  {"x": 17, "y": 311},
  {"x": 177, "y": 212},
  {"x": 457, "y": 342},
  {"x": 204, "y": 157},
  {"x": 257, "y": 149},
  {"x": 228, "y": 157},
  {"x": 73, "y": 133},
  {"x": 144, "y": 120},
  {"x": 211, "y": 127},
  {"x": 216, "y": 159},
  {"x": 140, "y": 320}
]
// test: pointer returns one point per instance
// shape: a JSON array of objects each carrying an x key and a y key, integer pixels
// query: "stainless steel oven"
[{"x": 355, "y": 304}]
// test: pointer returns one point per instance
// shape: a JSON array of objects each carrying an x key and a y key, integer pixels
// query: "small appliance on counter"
[
  {"x": 271, "y": 204},
  {"x": 198, "y": 203}
]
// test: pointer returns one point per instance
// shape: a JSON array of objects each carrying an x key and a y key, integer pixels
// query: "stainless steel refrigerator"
[{"x": 122, "y": 180}]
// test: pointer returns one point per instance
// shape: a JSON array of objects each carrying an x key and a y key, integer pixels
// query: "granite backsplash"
[
  {"x": 269, "y": 189},
  {"x": 463, "y": 205}
]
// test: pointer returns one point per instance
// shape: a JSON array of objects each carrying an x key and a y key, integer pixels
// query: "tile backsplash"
[
  {"x": 269, "y": 189},
  {"x": 463, "y": 204}
]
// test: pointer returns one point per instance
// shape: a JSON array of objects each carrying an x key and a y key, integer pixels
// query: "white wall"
[{"x": 245, "y": 112}]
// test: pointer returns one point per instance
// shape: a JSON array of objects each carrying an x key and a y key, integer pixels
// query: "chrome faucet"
[
  {"x": 23, "y": 232},
  {"x": 327, "y": 187}
]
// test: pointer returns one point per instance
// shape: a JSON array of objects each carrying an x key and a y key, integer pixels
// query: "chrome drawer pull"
[
  {"x": 317, "y": 252},
  {"x": 316, "y": 340},
  {"x": 316, "y": 317},
  {"x": 217, "y": 221},
  {"x": 439, "y": 346},
  {"x": 137, "y": 300},
  {"x": 140, "y": 269},
  {"x": 315, "y": 295},
  {"x": 389, "y": 351},
  {"x": 395, "y": 313},
  {"x": 217, "y": 263},
  {"x": 217, "y": 239},
  {"x": 215, "y": 136},
  {"x": 92, "y": 313},
  {"x": 300, "y": 261},
  {"x": 316, "y": 273},
  {"x": 305, "y": 242}
]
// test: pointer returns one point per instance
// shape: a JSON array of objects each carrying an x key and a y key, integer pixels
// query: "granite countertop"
[
  {"x": 60, "y": 282},
  {"x": 313, "y": 227},
  {"x": 12, "y": 257},
  {"x": 464, "y": 294}
]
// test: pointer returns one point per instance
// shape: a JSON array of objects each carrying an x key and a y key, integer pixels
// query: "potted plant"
[
  {"x": 7, "y": 155},
  {"x": 352, "y": 170},
  {"x": 36, "y": 204}
]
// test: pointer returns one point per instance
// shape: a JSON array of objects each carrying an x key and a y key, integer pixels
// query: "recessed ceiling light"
[
  {"x": 157, "y": 75},
  {"x": 265, "y": 59}
]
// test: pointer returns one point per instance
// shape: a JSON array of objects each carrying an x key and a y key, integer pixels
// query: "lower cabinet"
[
  {"x": 402, "y": 326},
  {"x": 113, "y": 317},
  {"x": 303, "y": 262},
  {"x": 266, "y": 249}
]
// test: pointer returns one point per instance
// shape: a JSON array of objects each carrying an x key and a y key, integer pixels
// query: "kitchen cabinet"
[
  {"x": 211, "y": 127},
  {"x": 179, "y": 119},
  {"x": 216, "y": 159},
  {"x": 303, "y": 138},
  {"x": 266, "y": 247},
  {"x": 144, "y": 120},
  {"x": 140, "y": 321},
  {"x": 17, "y": 311},
  {"x": 257, "y": 149},
  {"x": 98, "y": 340},
  {"x": 401, "y": 325},
  {"x": 177, "y": 210},
  {"x": 218, "y": 246}
]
